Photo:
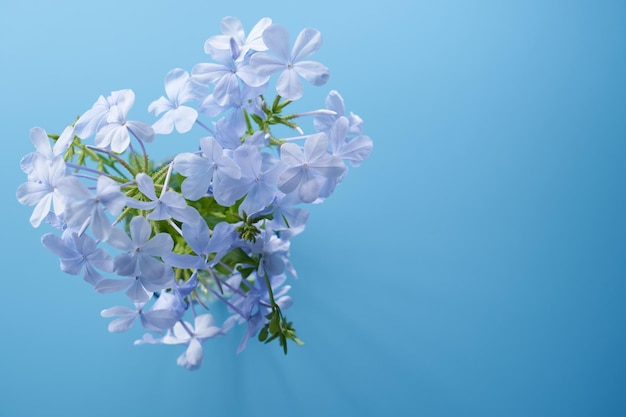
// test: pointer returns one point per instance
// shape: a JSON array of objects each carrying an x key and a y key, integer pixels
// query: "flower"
[
  {"x": 179, "y": 90},
  {"x": 233, "y": 29},
  {"x": 48, "y": 189},
  {"x": 306, "y": 166},
  {"x": 116, "y": 133},
  {"x": 79, "y": 255},
  {"x": 168, "y": 205},
  {"x": 192, "y": 336},
  {"x": 213, "y": 222},
  {"x": 140, "y": 259},
  {"x": 205, "y": 169},
  {"x": 291, "y": 64}
]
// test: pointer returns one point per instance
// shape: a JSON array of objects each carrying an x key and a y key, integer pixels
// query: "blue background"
[{"x": 473, "y": 266}]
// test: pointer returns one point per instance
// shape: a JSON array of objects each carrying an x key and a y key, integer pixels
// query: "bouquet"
[{"x": 211, "y": 225}]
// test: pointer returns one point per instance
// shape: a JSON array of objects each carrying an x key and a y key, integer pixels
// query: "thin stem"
[
  {"x": 205, "y": 127},
  {"x": 84, "y": 168},
  {"x": 182, "y": 322},
  {"x": 175, "y": 227},
  {"x": 228, "y": 303},
  {"x": 269, "y": 290},
  {"x": 167, "y": 178},
  {"x": 199, "y": 300},
  {"x": 143, "y": 150},
  {"x": 117, "y": 158}
]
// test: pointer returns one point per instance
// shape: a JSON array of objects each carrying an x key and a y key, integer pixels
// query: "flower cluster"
[{"x": 208, "y": 226}]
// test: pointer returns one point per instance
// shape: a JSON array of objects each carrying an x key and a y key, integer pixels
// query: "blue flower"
[
  {"x": 48, "y": 188},
  {"x": 233, "y": 29},
  {"x": 193, "y": 336},
  {"x": 155, "y": 320},
  {"x": 116, "y": 133},
  {"x": 307, "y": 167},
  {"x": 259, "y": 173},
  {"x": 291, "y": 64},
  {"x": 179, "y": 90},
  {"x": 168, "y": 205},
  {"x": 202, "y": 170},
  {"x": 79, "y": 255},
  {"x": 140, "y": 258}
]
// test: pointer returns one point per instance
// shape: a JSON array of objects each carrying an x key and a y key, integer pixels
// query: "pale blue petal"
[
  {"x": 140, "y": 230},
  {"x": 185, "y": 214},
  {"x": 289, "y": 85},
  {"x": 64, "y": 141},
  {"x": 153, "y": 273},
  {"x": 232, "y": 27},
  {"x": 184, "y": 261},
  {"x": 160, "y": 105},
  {"x": 230, "y": 190},
  {"x": 146, "y": 185},
  {"x": 58, "y": 246},
  {"x": 125, "y": 265},
  {"x": 175, "y": 82},
  {"x": 153, "y": 278},
  {"x": 194, "y": 354},
  {"x": 276, "y": 38},
  {"x": 114, "y": 135},
  {"x": 291, "y": 154},
  {"x": 165, "y": 125},
  {"x": 260, "y": 196},
  {"x": 228, "y": 167},
  {"x": 159, "y": 245},
  {"x": 41, "y": 210},
  {"x": 197, "y": 236},
  {"x": 100, "y": 224},
  {"x": 315, "y": 147},
  {"x": 91, "y": 275},
  {"x": 160, "y": 212},
  {"x": 250, "y": 76},
  {"x": 137, "y": 292},
  {"x": 141, "y": 130},
  {"x": 196, "y": 187},
  {"x": 100, "y": 259},
  {"x": 117, "y": 311},
  {"x": 209, "y": 73},
  {"x": 314, "y": 72},
  {"x": 40, "y": 140},
  {"x": 216, "y": 43},
  {"x": 309, "y": 187},
  {"x": 120, "y": 240},
  {"x": 88, "y": 123},
  {"x": 31, "y": 193},
  {"x": 158, "y": 320},
  {"x": 184, "y": 118},
  {"x": 142, "y": 205},
  {"x": 290, "y": 178},
  {"x": 72, "y": 265},
  {"x": 226, "y": 88},
  {"x": 125, "y": 101},
  {"x": 356, "y": 150},
  {"x": 122, "y": 324},
  {"x": 329, "y": 167},
  {"x": 338, "y": 133},
  {"x": 265, "y": 64},
  {"x": 254, "y": 40},
  {"x": 107, "y": 285},
  {"x": 308, "y": 41},
  {"x": 222, "y": 239}
]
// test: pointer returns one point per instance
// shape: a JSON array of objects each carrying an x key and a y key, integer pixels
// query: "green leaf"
[
  {"x": 275, "y": 323},
  {"x": 238, "y": 256},
  {"x": 263, "y": 334}
]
